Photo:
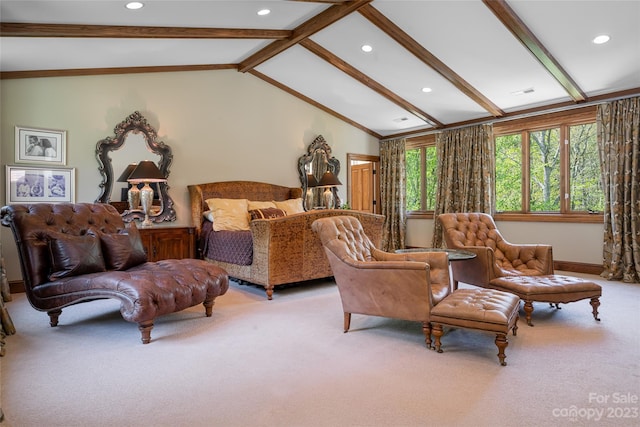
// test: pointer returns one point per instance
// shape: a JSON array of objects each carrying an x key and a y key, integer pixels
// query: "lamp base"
[
  {"x": 133, "y": 197},
  {"x": 329, "y": 200},
  {"x": 146, "y": 197}
]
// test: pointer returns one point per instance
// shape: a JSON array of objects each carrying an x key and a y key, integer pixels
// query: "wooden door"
[{"x": 363, "y": 188}]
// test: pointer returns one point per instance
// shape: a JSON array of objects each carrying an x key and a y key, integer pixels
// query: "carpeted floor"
[{"x": 286, "y": 362}]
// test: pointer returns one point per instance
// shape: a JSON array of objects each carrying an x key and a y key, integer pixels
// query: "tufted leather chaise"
[{"x": 73, "y": 253}]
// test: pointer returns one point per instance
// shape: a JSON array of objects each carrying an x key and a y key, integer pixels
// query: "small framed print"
[
  {"x": 41, "y": 146},
  {"x": 40, "y": 185}
]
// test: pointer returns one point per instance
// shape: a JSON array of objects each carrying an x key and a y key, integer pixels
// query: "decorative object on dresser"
[
  {"x": 266, "y": 252},
  {"x": 133, "y": 194},
  {"x": 135, "y": 140},
  {"x": 329, "y": 182},
  {"x": 316, "y": 162},
  {"x": 144, "y": 173},
  {"x": 74, "y": 253}
]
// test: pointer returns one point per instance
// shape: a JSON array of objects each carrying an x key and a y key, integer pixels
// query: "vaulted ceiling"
[{"x": 481, "y": 59}]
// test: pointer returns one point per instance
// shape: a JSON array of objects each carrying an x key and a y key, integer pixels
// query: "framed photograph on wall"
[
  {"x": 40, "y": 146},
  {"x": 40, "y": 185}
]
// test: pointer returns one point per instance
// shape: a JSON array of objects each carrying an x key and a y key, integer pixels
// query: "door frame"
[{"x": 376, "y": 178}]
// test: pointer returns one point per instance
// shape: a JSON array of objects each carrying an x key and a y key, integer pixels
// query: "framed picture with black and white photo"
[
  {"x": 35, "y": 145},
  {"x": 27, "y": 184}
]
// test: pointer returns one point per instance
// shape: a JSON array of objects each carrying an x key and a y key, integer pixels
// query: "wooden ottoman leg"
[
  {"x": 528, "y": 309},
  {"x": 515, "y": 326},
  {"x": 595, "y": 303},
  {"x": 426, "y": 329},
  {"x": 437, "y": 333},
  {"x": 145, "y": 330},
  {"x": 502, "y": 343},
  {"x": 53, "y": 317}
]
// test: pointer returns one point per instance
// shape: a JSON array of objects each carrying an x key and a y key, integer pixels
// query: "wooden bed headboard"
[{"x": 251, "y": 190}]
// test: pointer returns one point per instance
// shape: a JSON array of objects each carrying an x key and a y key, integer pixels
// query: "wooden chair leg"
[
  {"x": 347, "y": 321},
  {"x": 595, "y": 303},
  {"x": 426, "y": 329},
  {"x": 502, "y": 343},
  {"x": 208, "y": 306},
  {"x": 437, "y": 333}
]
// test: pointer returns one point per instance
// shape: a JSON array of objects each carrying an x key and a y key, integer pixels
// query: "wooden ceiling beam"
[
  {"x": 367, "y": 81},
  {"x": 518, "y": 28},
  {"x": 320, "y": 21},
  {"x": 406, "y": 41},
  {"x": 9, "y": 29}
]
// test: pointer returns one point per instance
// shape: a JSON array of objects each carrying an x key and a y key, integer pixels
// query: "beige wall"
[{"x": 221, "y": 125}]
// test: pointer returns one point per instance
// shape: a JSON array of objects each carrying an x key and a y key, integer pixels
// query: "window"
[
  {"x": 421, "y": 164},
  {"x": 549, "y": 165}
]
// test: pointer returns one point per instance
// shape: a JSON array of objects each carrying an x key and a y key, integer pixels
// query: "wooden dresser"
[{"x": 168, "y": 241}]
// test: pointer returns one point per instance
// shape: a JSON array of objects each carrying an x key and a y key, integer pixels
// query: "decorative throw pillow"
[
  {"x": 74, "y": 255},
  {"x": 229, "y": 214},
  {"x": 266, "y": 213},
  {"x": 122, "y": 250},
  {"x": 255, "y": 204},
  {"x": 208, "y": 215},
  {"x": 290, "y": 206}
]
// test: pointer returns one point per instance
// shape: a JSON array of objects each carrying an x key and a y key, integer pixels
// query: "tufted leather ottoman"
[
  {"x": 553, "y": 288},
  {"x": 482, "y": 309}
]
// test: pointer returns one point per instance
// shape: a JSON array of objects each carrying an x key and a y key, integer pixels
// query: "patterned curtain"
[
  {"x": 466, "y": 173},
  {"x": 618, "y": 125},
  {"x": 393, "y": 193}
]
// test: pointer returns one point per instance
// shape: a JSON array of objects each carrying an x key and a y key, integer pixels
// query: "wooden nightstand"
[{"x": 168, "y": 241}]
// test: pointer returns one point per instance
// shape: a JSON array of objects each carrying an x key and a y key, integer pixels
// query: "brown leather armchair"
[
  {"x": 495, "y": 257},
  {"x": 374, "y": 282}
]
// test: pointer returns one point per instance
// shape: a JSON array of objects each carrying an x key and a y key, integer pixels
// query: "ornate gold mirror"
[
  {"x": 135, "y": 140},
  {"x": 312, "y": 167}
]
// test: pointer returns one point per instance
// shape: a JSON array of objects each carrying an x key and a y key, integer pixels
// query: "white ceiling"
[{"x": 464, "y": 35}]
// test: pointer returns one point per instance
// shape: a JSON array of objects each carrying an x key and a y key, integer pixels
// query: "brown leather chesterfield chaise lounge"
[{"x": 73, "y": 253}]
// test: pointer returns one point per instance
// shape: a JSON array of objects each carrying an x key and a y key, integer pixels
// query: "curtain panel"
[
  {"x": 466, "y": 173},
  {"x": 618, "y": 125},
  {"x": 393, "y": 193}
]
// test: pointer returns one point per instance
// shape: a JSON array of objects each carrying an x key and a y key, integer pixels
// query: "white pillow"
[
  {"x": 253, "y": 204},
  {"x": 229, "y": 214},
  {"x": 208, "y": 215},
  {"x": 290, "y": 206}
]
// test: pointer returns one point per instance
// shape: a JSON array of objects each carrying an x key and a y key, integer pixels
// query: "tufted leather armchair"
[
  {"x": 374, "y": 282},
  {"x": 73, "y": 253},
  {"x": 495, "y": 257}
]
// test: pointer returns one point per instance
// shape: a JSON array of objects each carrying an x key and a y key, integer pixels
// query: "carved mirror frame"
[
  {"x": 318, "y": 160},
  {"x": 135, "y": 124}
]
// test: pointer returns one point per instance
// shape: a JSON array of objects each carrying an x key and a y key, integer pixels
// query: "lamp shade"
[
  {"x": 311, "y": 180},
  {"x": 146, "y": 171},
  {"x": 329, "y": 180},
  {"x": 127, "y": 171}
]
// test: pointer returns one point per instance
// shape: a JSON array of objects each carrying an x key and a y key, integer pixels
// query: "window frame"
[
  {"x": 562, "y": 120},
  {"x": 421, "y": 142}
]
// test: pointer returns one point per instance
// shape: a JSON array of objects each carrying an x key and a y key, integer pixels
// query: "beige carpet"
[{"x": 286, "y": 362}]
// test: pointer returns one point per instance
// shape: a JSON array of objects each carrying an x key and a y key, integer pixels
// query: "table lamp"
[
  {"x": 328, "y": 181},
  {"x": 146, "y": 172},
  {"x": 312, "y": 182},
  {"x": 133, "y": 195}
]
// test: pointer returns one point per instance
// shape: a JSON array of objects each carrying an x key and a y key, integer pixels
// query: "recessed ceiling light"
[
  {"x": 134, "y": 5},
  {"x": 263, "y": 12},
  {"x": 603, "y": 38},
  {"x": 366, "y": 48},
  {"x": 426, "y": 89},
  {"x": 401, "y": 119}
]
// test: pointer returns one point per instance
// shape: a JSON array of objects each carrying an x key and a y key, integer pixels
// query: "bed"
[{"x": 276, "y": 248}]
